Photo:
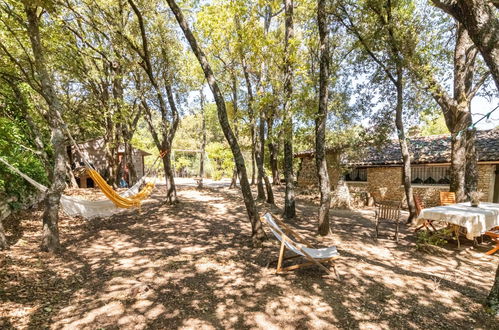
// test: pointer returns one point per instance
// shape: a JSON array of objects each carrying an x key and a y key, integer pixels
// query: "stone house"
[
  {"x": 94, "y": 151},
  {"x": 378, "y": 172}
]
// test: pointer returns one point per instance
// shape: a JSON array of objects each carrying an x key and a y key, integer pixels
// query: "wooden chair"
[
  {"x": 301, "y": 249},
  {"x": 494, "y": 235},
  {"x": 419, "y": 207},
  {"x": 389, "y": 211},
  {"x": 447, "y": 198}
]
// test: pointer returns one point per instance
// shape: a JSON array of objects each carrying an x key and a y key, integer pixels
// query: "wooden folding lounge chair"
[
  {"x": 494, "y": 235},
  {"x": 419, "y": 207},
  {"x": 389, "y": 211},
  {"x": 301, "y": 249}
]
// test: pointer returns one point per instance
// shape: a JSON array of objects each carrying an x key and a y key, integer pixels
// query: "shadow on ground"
[{"x": 191, "y": 265}]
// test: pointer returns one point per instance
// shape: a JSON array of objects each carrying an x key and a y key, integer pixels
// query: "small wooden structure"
[{"x": 94, "y": 152}]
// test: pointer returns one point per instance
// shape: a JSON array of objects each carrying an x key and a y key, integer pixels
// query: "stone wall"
[
  {"x": 486, "y": 178},
  {"x": 306, "y": 176},
  {"x": 307, "y": 173},
  {"x": 385, "y": 183}
]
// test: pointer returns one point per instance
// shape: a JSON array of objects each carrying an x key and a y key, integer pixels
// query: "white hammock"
[{"x": 76, "y": 206}]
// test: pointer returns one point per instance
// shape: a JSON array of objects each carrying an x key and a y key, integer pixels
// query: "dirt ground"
[{"x": 192, "y": 266}]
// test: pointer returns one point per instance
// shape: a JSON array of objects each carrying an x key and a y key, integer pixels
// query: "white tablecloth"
[{"x": 476, "y": 220}]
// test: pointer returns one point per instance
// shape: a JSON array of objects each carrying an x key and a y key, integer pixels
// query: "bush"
[
  {"x": 220, "y": 157},
  {"x": 427, "y": 238},
  {"x": 11, "y": 184}
]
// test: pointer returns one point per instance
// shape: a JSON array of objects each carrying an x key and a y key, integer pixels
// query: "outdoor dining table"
[{"x": 476, "y": 220}]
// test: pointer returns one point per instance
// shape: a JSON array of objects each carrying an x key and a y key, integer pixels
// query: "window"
[
  {"x": 357, "y": 174},
  {"x": 430, "y": 175}
]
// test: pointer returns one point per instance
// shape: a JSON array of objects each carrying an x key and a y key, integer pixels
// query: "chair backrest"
[
  {"x": 389, "y": 211},
  {"x": 419, "y": 205},
  {"x": 447, "y": 198},
  {"x": 278, "y": 233}
]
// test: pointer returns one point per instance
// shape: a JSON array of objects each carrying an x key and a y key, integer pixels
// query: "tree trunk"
[
  {"x": 71, "y": 176},
  {"x": 457, "y": 113},
  {"x": 274, "y": 167},
  {"x": 471, "y": 176},
  {"x": 256, "y": 157},
  {"x": 398, "y": 81},
  {"x": 259, "y": 162},
  {"x": 257, "y": 231},
  {"x": 112, "y": 163},
  {"x": 253, "y": 154},
  {"x": 404, "y": 148},
  {"x": 50, "y": 235},
  {"x": 493, "y": 297},
  {"x": 289, "y": 197},
  {"x": 320, "y": 121},
  {"x": 203, "y": 140},
  {"x": 480, "y": 19},
  {"x": 130, "y": 165},
  {"x": 171, "y": 191},
  {"x": 458, "y": 165},
  {"x": 233, "y": 181},
  {"x": 3, "y": 240}
]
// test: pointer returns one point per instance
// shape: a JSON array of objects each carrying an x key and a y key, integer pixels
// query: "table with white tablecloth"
[{"x": 476, "y": 220}]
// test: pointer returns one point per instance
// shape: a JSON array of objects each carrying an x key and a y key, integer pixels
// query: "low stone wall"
[{"x": 5, "y": 209}]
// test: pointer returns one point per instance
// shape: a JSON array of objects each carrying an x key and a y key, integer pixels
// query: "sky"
[{"x": 481, "y": 106}]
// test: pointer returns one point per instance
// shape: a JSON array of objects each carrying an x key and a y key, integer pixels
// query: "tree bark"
[
  {"x": 480, "y": 19},
  {"x": 404, "y": 148},
  {"x": 3, "y": 240},
  {"x": 203, "y": 139},
  {"x": 70, "y": 176},
  {"x": 171, "y": 191},
  {"x": 289, "y": 194},
  {"x": 320, "y": 121},
  {"x": 493, "y": 297},
  {"x": 233, "y": 181},
  {"x": 273, "y": 152},
  {"x": 471, "y": 175},
  {"x": 253, "y": 160},
  {"x": 458, "y": 164},
  {"x": 261, "y": 160},
  {"x": 50, "y": 234},
  {"x": 257, "y": 231}
]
